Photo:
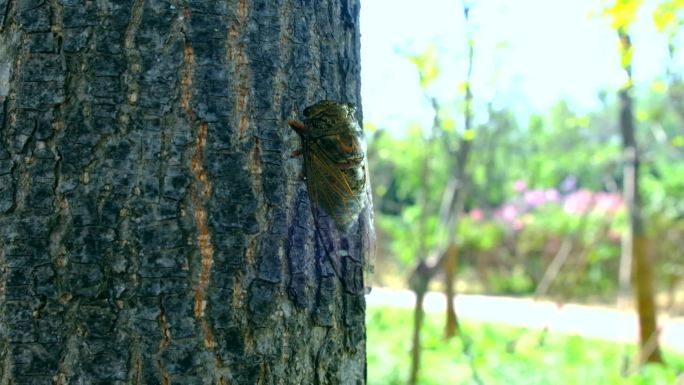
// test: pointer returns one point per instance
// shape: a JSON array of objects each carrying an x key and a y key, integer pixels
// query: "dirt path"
[{"x": 588, "y": 321}]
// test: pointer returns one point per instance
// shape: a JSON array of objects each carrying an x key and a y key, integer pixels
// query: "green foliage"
[
  {"x": 427, "y": 65},
  {"x": 480, "y": 235},
  {"x": 501, "y": 355},
  {"x": 668, "y": 16},
  {"x": 511, "y": 281},
  {"x": 621, "y": 12},
  {"x": 505, "y": 239},
  {"x": 411, "y": 172},
  {"x": 499, "y": 221},
  {"x": 405, "y": 195}
]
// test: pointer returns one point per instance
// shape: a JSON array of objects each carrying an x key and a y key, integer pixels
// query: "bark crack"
[
  {"x": 201, "y": 191},
  {"x": 236, "y": 54},
  {"x": 137, "y": 368},
  {"x": 187, "y": 73},
  {"x": 69, "y": 356},
  {"x": 132, "y": 54},
  {"x": 164, "y": 343}
]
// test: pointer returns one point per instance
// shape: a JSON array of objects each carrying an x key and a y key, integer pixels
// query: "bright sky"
[{"x": 529, "y": 54}]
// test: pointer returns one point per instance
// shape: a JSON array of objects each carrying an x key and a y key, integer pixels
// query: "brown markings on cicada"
[
  {"x": 334, "y": 160},
  {"x": 333, "y": 146}
]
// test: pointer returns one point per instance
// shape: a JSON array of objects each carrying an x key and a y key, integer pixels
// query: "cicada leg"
[{"x": 296, "y": 125}]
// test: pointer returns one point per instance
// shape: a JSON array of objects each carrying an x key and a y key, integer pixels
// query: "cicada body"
[{"x": 337, "y": 180}]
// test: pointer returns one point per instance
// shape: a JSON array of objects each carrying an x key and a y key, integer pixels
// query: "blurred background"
[{"x": 527, "y": 160}]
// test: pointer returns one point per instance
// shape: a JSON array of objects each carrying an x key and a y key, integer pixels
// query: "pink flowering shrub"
[{"x": 529, "y": 228}]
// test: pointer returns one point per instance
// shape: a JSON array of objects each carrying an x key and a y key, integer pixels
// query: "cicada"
[{"x": 338, "y": 184}]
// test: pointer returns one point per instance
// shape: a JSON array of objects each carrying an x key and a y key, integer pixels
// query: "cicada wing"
[
  {"x": 331, "y": 198},
  {"x": 367, "y": 228},
  {"x": 330, "y": 189},
  {"x": 321, "y": 201},
  {"x": 343, "y": 215}
]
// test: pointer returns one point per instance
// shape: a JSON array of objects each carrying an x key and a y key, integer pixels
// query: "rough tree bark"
[{"x": 153, "y": 227}]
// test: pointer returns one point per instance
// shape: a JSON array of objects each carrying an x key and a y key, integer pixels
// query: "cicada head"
[{"x": 333, "y": 127}]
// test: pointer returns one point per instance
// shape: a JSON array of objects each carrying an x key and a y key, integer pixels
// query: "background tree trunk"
[
  {"x": 635, "y": 262},
  {"x": 153, "y": 227}
]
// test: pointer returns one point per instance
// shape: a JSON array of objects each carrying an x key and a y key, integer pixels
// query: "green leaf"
[
  {"x": 622, "y": 13},
  {"x": 663, "y": 19},
  {"x": 448, "y": 124},
  {"x": 626, "y": 55},
  {"x": 427, "y": 64},
  {"x": 678, "y": 141},
  {"x": 666, "y": 18}
]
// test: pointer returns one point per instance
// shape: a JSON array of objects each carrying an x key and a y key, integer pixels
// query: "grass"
[{"x": 503, "y": 355}]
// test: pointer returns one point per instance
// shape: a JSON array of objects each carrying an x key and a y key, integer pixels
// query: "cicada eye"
[
  {"x": 344, "y": 143},
  {"x": 330, "y": 143}
]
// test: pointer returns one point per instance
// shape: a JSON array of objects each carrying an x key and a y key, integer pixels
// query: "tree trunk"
[
  {"x": 418, "y": 282},
  {"x": 153, "y": 227},
  {"x": 634, "y": 248},
  {"x": 452, "y": 327}
]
